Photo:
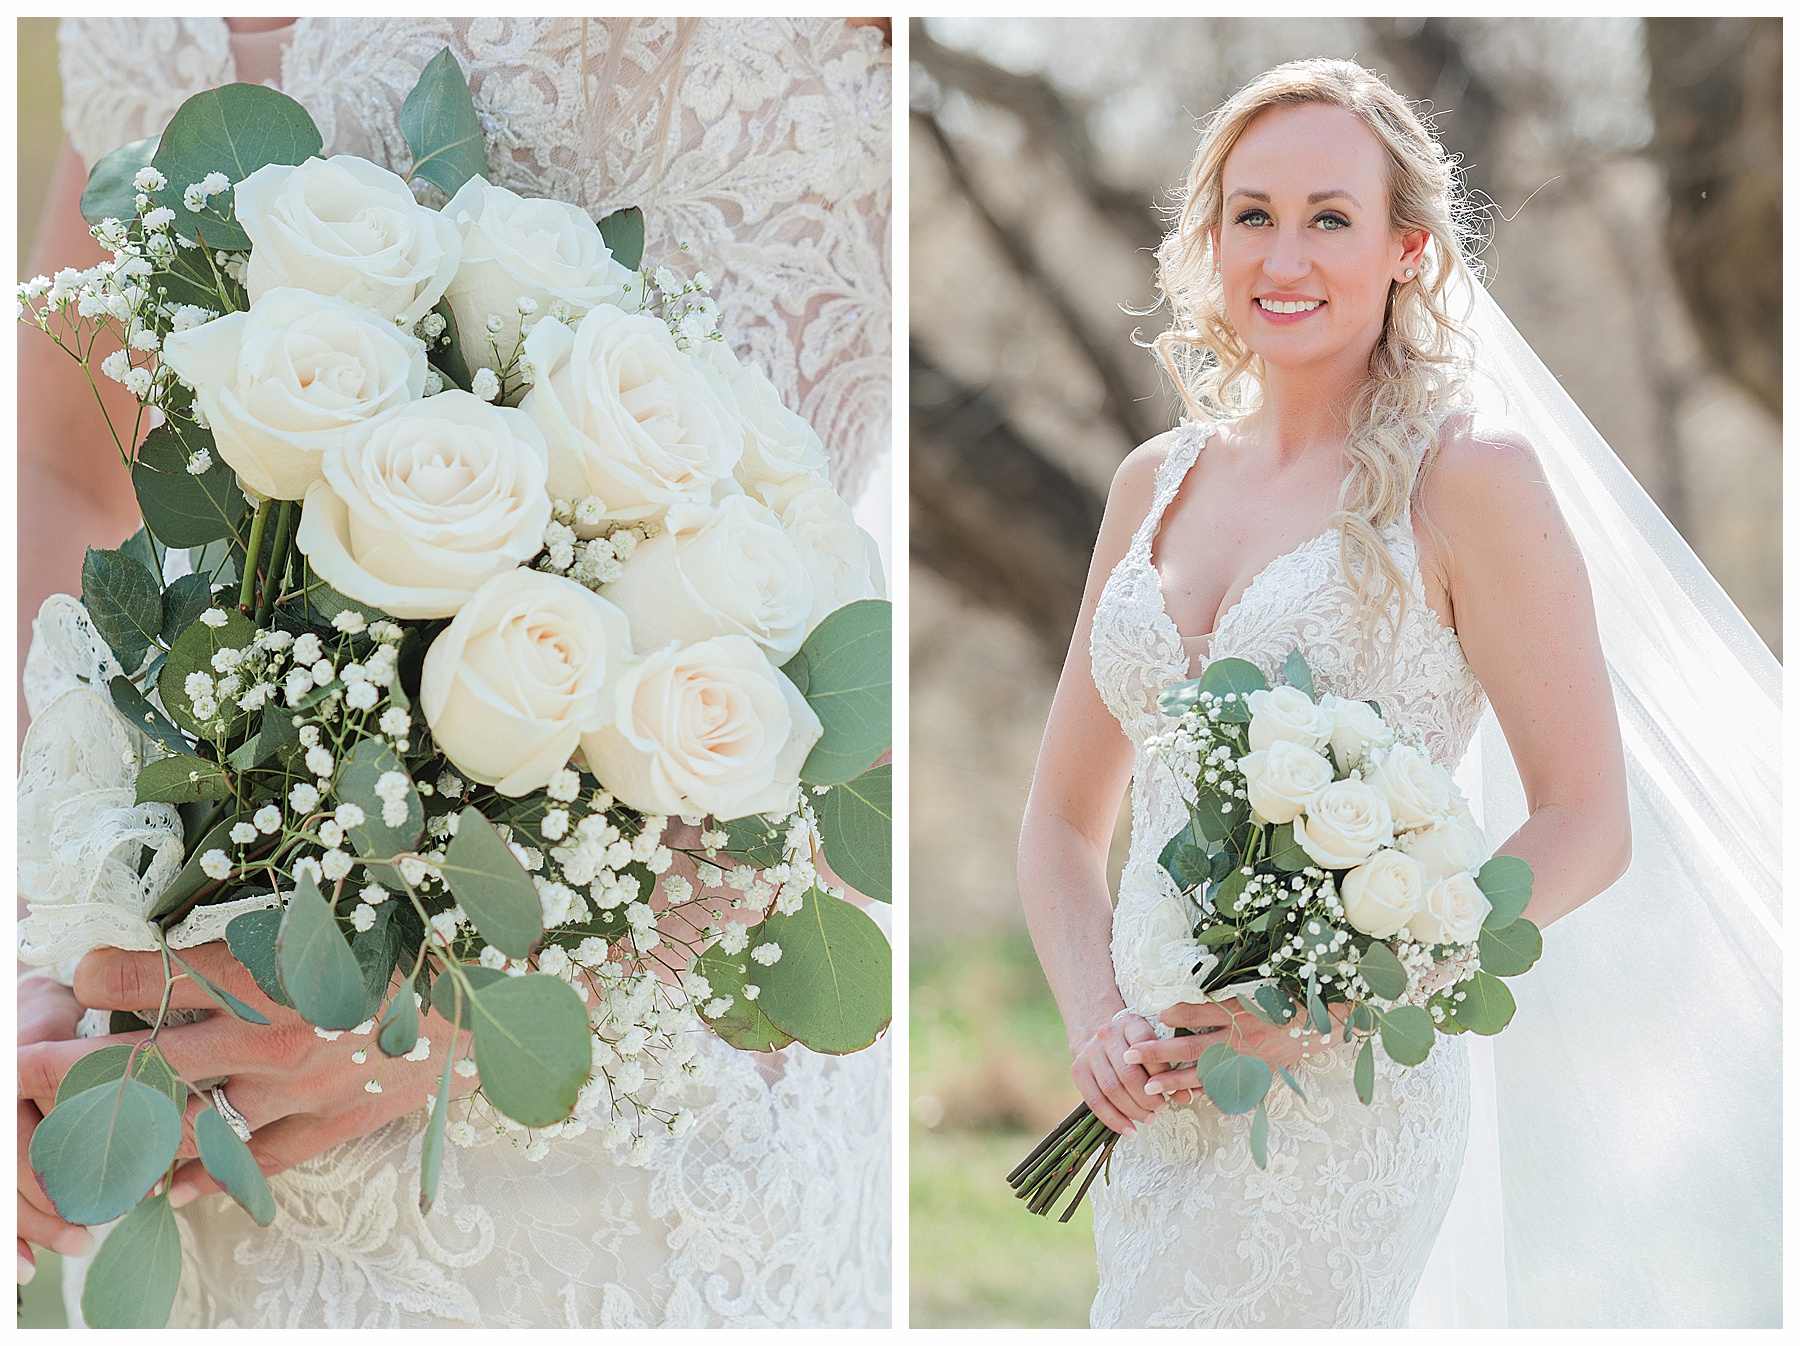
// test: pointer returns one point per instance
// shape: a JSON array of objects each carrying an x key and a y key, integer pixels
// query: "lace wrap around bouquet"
[
  {"x": 1337, "y": 882},
  {"x": 472, "y": 561}
]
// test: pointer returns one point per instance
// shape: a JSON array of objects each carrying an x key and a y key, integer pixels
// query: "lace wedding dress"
[
  {"x": 763, "y": 146},
  {"x": 1337, "y": 1231}
]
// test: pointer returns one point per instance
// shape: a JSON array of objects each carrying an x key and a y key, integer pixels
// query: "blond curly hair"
[{"x": 1418, "y": 369}]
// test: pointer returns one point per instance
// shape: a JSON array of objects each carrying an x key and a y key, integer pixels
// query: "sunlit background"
[{"x": 1634, "y": 173}]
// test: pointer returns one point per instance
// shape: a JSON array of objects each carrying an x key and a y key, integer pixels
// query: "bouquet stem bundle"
[{"x": 1044, "y": 1175}]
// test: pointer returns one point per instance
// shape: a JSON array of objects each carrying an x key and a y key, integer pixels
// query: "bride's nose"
[{"x": 1287, "y": 260}]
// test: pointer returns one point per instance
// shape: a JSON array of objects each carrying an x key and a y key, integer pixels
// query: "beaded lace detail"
[{"x": 1337, "y": 1230}]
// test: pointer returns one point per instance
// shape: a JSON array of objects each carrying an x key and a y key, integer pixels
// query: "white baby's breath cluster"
[{"x": 593, "y": 562}]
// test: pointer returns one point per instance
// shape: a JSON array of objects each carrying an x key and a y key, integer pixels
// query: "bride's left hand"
[{"x": 1214, "y": 1023}]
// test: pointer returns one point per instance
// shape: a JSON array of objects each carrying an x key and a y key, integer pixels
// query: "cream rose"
[
  {"x": 843, "y": 560},
  {"x": 523, "y": 670},
  {"x": 419, "y": 510},
  {"x": 1383, "y": 893},
  {"x": 1452, "y": 913},
  {"x": 711, "y": 729},
  {"x": 1282, "y": 779},
  {"x": 1355, "y": 728},
  {"x": 286, "y": 381},
  {"x": 779, "y": 446},
  {"x": 516, "y": 247},
  {"x": 628, "y": 416},
  {"x": 1451, "y": 846},
  {"x": 1287, "y": 713},
  {"x": 346, "y": 227},
  {"x": 729, "y": 569},
  {"x": 1416, "y": 788},
  {"x": 1346, "y": 823}
]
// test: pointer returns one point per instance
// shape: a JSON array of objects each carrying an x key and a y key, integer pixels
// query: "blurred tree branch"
[
  {"x": 1425, "y": 59},
  {"x": 1715, "y": 92},
  {"x": 990, "y": 513}
]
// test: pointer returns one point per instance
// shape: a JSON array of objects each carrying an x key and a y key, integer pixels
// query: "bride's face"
[{"x": 1305, "y": 249}]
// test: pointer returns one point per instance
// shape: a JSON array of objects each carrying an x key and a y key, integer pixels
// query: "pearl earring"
[{"x": 1409, "y": 273}]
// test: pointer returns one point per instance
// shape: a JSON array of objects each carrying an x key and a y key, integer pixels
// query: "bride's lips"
[{"x": 1260, "y": 302}]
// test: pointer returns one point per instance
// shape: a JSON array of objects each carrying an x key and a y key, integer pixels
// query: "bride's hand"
[
  {"x": 300, "y": 1093},
  {"x": 47, "y": 1013},
  {"x": 1214, "y": 1023},
  {"x": 1113, "y": 1084}
]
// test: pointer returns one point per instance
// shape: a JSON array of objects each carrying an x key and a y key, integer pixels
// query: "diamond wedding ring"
[{"x": 233, "y": 1118}]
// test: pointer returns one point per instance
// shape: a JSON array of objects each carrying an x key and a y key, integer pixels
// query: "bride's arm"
[
  {"x": 1083, "y": 768},
  {"x": 1524, "y": 613}
]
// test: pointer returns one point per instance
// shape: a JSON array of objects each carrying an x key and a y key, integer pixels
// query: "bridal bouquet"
[
  {"x": 472, "y": 560},
  {"x": 1328, "y": 862}
]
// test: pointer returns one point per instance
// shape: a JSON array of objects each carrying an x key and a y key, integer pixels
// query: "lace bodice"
[
  {"x": 1336, "y": 1231},
  {"x": 761, "y": 144}
]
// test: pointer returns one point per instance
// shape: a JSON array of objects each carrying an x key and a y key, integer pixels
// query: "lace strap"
[{"x": 1169, "y": 476}]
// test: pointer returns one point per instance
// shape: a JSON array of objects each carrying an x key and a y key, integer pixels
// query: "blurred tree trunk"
[
  {"x": 990, "y": 513},
  {"x": 1715, "y": 92}
]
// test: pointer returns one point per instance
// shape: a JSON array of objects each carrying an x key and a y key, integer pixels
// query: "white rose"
[
  {"x": 1417, "y": 789},
  {"x": 1381, "y": 895},
  {"x": 1355, "y": 728},
  {"x": 628, "y": 416},
  {"x": 283, "y": 383},
  {"x": 419, "y": 510},
  {"x": 1287, "y": 713},
  {"x": 729, "y": 569},
  {"x": 522, "y": 671},
  {"x": 1453, "y": 911},
  {"x": 1451, "y": 846},
  {"x": 1346, "y": 823},
  {"x": 1282, "y": 778},
  {"x": 346, "y": 227},
  {"x": 517, "y": 247},
  {"x": 779, "y": 446},
  {"x": 710, "y": 729},
  {"x": 843, "y": 560}
]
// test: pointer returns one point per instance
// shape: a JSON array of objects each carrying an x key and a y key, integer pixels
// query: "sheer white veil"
[{"x": 1624, "y": 1163}]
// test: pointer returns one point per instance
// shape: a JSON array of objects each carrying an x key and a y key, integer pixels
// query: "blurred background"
[{"x": 1634, "y": 173}]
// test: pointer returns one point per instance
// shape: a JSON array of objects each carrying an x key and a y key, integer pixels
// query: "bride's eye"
[
  {"x": 1331, "y": 222},
  {"x": 1253, "y": 216}
]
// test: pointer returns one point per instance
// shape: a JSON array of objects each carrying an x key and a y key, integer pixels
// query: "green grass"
[
  {"x": 40, "y": 1303},
  {"x": 989, "y": 1077}
]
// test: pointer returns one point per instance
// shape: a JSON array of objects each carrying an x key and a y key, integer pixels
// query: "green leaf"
[
  {"x": 108, "y": 1064},
  {"x": 1230, "y": 892},
  {"x": 491, "y": 885},
  {"x": 431, "y": 1149},
  {"x": 445, "y": 993},
  {"x": 192, "y": 879},
  {"x": 754, "y": 839},
  {"x": 743, "y": 1025},
  {"x": 1206, "y": 814},
  {"x": 181, "y": 780},
  {"x": 251, "y": 939},
  {"x": 845, "y": 672},
  {"x": 1512, "y": 949},
  {"x": 531, "y": 1046},
  {"x": 1176, "y": 699},
  {"x": 182, "y": 603},
  {"x": 134, "y": 1276},
  {"x": 318, "y": 971},
  {"x": 832, "y": 988},
  {"x": 193, "y": 653},
  {"x": 399, "y": 1031},
  {"x": 276, "y": 732},
  {"x": 1316, "y": 1013},
  {"x": 439, "y": 122},
  {"x": 1238, "y": 1083},
  {"x": 1288, "y": 1080},
  {"x": 99, "y": 1152},
  {"x": 1298, "y": 673},
  {"x": 1381, "y": 969},
  {"x": 110, "y": 192},
  {"x": 133, "y": 707},
  {"x": 1215, "y": 935},
  {"x": 365, "y": 764},
  {"x": 230, "y": 1162},
  {"x": 224, "y": 999},
  {"x": 1211, "y": 1057},
  {"x": 623, "y": 231},
  {"x": 1365, "y": 1072},
  {"x": 377, "y": 952},
  {"x": 1486, "y": 1007},
  {"x": 180, "y": 508},
  {"x": 1285, "y": 853},
  {"x": 856, "y": 822},
  {"x": 1447, "y": 1025},
  {"x": 124, "y": 600},
  {"x": 1239, "y": 677},
  {"x": 1406, "y": 1033},
  {"x": 147, "y": 552},
  {"x": 321, "y": 603},
  {"x": 447, "y": 353},
  {"x": 1506, "y": 880},
  {"x": 1280, "y": 1008},
  {"x": 1186, "y": 860},
  {"x": 1362, "y": 1019},
  {"x": 1259, "y": 1136},
  {"x": 235, "y": 130}
]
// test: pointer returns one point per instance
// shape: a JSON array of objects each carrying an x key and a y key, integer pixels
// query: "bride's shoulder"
[
  {"x": 1134, "y": 481},
  {"x": 1481, "y": 477}
]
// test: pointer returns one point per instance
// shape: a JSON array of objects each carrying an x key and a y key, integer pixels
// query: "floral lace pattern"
[
  {"x": 1337, "y": 1231},
  {"x": 763, "y": 146}
]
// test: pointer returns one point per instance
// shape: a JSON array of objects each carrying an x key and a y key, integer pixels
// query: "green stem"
[
  {"x": 278, "y": 557},
  {"x": 251, "y": 555}
]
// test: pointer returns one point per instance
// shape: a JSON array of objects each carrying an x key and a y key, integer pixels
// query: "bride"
[
  {"x": 1334, "y": 494},
  {"x": 762, "y": 148}
]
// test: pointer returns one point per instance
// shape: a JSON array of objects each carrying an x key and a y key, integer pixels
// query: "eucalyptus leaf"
[
  {"x": 1212, "y": 1056},
  {"x": 181, "y": 508},
  {"x": 320, "y": 602},
  {"x": 491, "y": 885},
  {"x": 1230, "y": 893},
  {"x": 753, "y": 839},
  {"x": 134, "y": 1276},
  {"x": 230, "y": 1162},
  {"x": 111, "y": 192},
  {"x": 431, "y": 1149},
  {"x": 1486, "y": 1007},
  {"x": 1209, "y": 817},
  {"x": 193, "y": 652},
  {"x": 856, "y": 823},
  {"x": 224, "y": 999},
  {"x": 1381, "y": 969},
  {"x": 144, "y": 716},
  {"x": 1235, "y": 678},
  {"x": 399, "y": 1030},
  {"x": 743, "y": 1024},
  {"x": 845, "y": 672},
  {"x": 1406, "y": 1034},
  {"x": 623, "y": 232},
  {"x": 447, "y": 354},
  {"x": 1176, "y": 700},
  {"x": 1299, "y": 673},
  {"x": 1285, "y": 853},
  {"x": 362, "y": 768},
  {"x": 439, "y": 122},
  {"x": 182, "y": 603},
  {"x": 377, "y": 953},
  {"x": 181, "y": 780},
  {"x": 234, "y": 129},
  {"x": 1365, "y": 1072},
  {"x": 1512, "y": 949},
  {"x": 1280, "y": 1008},
  {"x": 1506, "y": 882},
  {"x": 832, "y": 988},
  {"x": 318, "y": 971},
  {"x": 100, "y": 1151},
  {"x": 531, "y": 1046},
  {"x": 108, "y": 1064},
  {"x": 1288, "y": 1080},
  {"x": 251, "y": 939},
  {"x": 1259, "y": 1136},
  {"x": 1215, "y": 935},
  {"x": 1238, "y": 1083},
  {"x": 274, "y": 733},
  {"x": 125, "y": 602},
  {"x": 1316, "y": 1013}
]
